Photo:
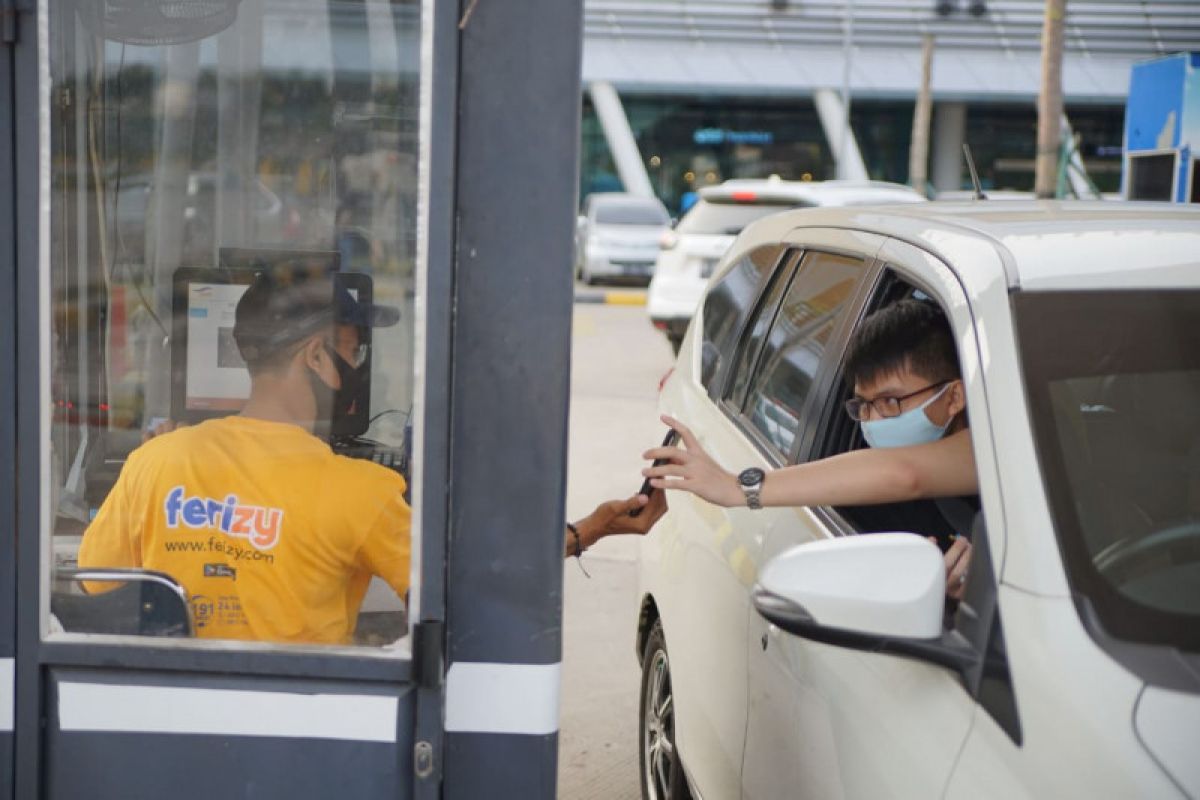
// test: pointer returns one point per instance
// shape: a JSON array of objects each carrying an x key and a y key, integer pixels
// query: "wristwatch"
[{"x": 751, "y": 481}]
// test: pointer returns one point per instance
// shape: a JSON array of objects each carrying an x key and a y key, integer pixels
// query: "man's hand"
[
  {"x": 958, "y": 559},
  {"x": 613, "y": 517},
  {"x": 692, "y": 470}
]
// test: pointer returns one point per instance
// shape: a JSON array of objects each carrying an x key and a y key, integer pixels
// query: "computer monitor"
[{"x": 208, "y": 376}]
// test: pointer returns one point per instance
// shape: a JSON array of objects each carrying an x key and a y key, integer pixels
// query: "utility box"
[{"x": 1162, "y": 130}]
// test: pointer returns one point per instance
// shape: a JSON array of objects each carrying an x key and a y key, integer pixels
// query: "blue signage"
[{"x": 725, "y": 136}]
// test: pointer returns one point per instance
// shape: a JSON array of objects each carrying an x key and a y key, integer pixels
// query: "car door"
[
  {"x": 709, "y": 557},
  {"x": 826, "y": 721}
]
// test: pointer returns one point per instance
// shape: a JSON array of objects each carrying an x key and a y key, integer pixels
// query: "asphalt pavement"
[{"x": 618, "y": 361}]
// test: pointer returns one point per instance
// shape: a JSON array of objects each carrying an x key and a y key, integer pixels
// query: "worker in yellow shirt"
[{"x": 272, "y": 535}]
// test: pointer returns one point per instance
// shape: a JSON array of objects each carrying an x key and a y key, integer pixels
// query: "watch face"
[{"x": 751, "y": 476}]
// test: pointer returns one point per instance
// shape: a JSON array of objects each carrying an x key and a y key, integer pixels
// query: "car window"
[
  {"x": 1114, "y": 412},
  {"x": 791, "y": 356},
  {"x": 728, "y": 303},
  {"x": 728, "y": 218},
  {"x": 631, "y": 214},
  {"x": 755, "y": 332}
]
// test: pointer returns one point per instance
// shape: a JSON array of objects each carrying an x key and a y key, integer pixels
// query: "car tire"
[{"x": 662, "y": 776}]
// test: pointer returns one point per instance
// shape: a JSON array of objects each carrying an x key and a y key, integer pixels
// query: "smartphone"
[{"x": 670, "y": 439}]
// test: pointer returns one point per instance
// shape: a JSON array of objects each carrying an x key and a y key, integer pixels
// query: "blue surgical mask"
[{"x": 911, "y": 427}]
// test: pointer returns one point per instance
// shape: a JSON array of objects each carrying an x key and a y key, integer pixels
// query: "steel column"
[{"x": 518, "y": 134}]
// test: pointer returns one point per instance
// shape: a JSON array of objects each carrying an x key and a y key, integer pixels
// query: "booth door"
[
  {"x": 154, "y": 142},
  {"x": 8, "y": 352}
]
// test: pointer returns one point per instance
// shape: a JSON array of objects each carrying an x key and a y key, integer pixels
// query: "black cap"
[{"x": 272, "y": 315}]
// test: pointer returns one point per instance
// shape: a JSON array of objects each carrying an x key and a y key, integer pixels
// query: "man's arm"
[{"x": 945, "y": 468}]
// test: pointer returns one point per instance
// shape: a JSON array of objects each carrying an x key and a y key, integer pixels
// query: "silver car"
[{"x": 618, "y": 237}]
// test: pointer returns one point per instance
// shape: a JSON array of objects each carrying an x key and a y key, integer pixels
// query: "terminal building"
[{"x": 679, "y": 94}]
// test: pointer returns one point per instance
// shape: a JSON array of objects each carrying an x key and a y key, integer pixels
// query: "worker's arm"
[
  {"x": 386, "y": 550},
  {"x": 945, "y": 468},
  {"x": 615, "y": 517},
  {"x": 113, "y": 539}
]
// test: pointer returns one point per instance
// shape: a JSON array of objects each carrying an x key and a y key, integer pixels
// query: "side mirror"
[{"x": 880, "y": 592}]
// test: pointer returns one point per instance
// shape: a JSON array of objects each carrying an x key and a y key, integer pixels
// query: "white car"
[
  {"x": 692, "y": 249},
  {"x": 785, "y": 655},
  {"x": 617, "y": 236}
]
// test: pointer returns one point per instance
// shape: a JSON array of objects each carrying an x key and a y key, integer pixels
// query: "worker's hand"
[
  {"x": 958, "y": 560},
  {"x": 693, "y": 470},
  {"x": 613, "y": 517}
]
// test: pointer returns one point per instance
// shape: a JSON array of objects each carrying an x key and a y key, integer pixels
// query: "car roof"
[
  {"x": 624, "y": 198},
  {"x": 1043, "y": 244},
  {"x": 817, "y": 193}
]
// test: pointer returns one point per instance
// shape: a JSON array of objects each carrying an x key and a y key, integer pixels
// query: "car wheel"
[{"x": 662, "y": 771}]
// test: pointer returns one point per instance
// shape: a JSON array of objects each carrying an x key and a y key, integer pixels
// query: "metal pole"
[
  {"x": 847, "y": 61},
  {"x": 918, "y": 154},
  {"x": 1050, "y": 99}
]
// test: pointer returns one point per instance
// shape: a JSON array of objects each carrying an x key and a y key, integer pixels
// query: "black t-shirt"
[{"x": 942, "y": 519}]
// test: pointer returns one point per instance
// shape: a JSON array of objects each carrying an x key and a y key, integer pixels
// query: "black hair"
[
  {"x": 273, "y": 318},
  {"x": 911, "y": 334}
]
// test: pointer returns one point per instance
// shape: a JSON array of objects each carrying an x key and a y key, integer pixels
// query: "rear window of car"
[
  {"x": 716, "y": 217},
  {"x": 626, "y": 213},
  {"x": 1114, "y": 405},
  {"x": 728, "y": 303}
]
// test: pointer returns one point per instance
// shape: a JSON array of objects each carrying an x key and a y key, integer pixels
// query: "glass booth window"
[{"x": 233, "y": 208}]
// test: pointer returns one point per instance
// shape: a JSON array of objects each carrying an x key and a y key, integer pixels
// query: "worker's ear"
[{"x": 314, "y": 355}]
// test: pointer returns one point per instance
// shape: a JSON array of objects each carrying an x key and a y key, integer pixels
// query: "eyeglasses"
[
  {"x": 884, "y": 407},
  {"x": 358, "y": 356}
]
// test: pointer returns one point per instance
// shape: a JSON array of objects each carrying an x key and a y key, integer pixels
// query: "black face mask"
[
  {"x": 336, "y": 408},
  {"x": 350, "y": 400}
]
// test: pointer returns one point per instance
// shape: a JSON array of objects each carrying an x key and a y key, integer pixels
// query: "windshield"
[
  {"x": 710, "y": 217},
  {"x": 1116, "y": 412},
  {"x": 631, "y": 214}
]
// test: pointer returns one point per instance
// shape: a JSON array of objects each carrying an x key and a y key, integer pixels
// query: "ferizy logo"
[{"x": 260, "y": 525}]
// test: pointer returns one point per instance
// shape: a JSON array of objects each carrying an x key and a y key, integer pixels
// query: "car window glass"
[
  {"x": 756, "y": 331},
  {"x": 792, "y": 353},
  {"x": 631, "y": 214},
  {"x": 716, "y": 218},
  {"x": 728, "y": 302},
  {"x": 1114, "y": 412}
]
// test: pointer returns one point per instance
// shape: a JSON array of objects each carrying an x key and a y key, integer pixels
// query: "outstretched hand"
[
  {"x": 691, "y": 469},
  {"x": 615, "y": 517}
]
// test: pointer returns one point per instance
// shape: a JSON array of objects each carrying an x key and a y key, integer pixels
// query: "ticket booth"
[
  {"x": 156, "y": 159},
  {"x": 1162, "y": 130}
]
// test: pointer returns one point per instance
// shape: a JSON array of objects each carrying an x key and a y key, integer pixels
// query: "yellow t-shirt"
[{"x": 273, "y": 536}]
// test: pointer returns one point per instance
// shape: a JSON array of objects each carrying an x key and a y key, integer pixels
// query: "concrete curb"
[{"x": 613, "y": 298}]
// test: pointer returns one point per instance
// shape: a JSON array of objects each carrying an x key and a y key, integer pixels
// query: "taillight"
[
  {"x": 744, "y": 196},
  {"x": 668, "y": 240}
]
